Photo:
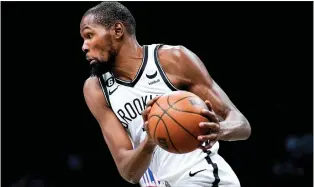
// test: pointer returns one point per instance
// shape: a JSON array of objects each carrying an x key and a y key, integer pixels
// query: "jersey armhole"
[
  {"x": 161, "y": 71},
  {"x": 104, "y": 89}
]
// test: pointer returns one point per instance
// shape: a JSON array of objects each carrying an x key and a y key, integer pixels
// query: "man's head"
[{"x": 103, "y": 29}]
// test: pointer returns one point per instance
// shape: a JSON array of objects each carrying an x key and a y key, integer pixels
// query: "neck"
[{"x": 128, "y": 59}]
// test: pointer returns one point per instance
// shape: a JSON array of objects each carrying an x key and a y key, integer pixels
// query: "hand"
[
  {"x": 213, "y": 127},
  {"x": 146, "y": 111}
]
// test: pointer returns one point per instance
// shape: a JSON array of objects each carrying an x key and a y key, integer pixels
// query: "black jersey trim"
[
  {"x": 104, "y": 89},
  {"x": 162, "y": 73},
  {"x": 139, "y": 72}
]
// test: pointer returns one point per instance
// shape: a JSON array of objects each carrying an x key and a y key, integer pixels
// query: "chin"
[{"x": 98, "y": 68}]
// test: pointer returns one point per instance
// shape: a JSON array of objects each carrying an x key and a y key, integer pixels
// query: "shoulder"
[
  {"x": 176, "y": 52},
  {"x": 92, "y": 92},
  {"x": 179, "y": 56},
  {"x": 182, "y": 62},
  {"x": 91, "y": 85}
]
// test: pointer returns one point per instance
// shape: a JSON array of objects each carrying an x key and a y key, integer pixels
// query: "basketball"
[{"x": 173, "y": 122}]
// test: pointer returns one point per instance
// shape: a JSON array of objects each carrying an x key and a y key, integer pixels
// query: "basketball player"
[{"x": 127, "y": 78}]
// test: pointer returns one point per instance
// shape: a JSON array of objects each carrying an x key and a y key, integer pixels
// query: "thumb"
[{"x": 145, "y": 113}]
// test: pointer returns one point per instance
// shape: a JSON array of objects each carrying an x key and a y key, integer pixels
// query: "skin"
[{"x": 183, "y": 68}]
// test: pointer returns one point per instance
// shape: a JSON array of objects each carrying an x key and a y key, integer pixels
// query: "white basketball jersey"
[{"x": 127, "y": 100}]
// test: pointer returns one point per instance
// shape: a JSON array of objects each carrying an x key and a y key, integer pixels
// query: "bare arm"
[
  {"x": 131, "y": 163},
  {"x": 190, "y": 71},
  {"x": 234, "y": 126}
]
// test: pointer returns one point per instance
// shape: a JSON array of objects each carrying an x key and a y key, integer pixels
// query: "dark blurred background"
[{"x": 260, "y": 53}]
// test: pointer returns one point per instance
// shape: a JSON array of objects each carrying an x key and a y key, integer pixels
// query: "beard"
[{"x": 99, "y": 68}]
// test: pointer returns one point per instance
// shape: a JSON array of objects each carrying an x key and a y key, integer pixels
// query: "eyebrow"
[{"x": 83, "y": 28}]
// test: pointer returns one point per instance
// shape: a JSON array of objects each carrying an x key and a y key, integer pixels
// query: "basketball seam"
[
  {"x": 159, "y": 118},
  {"x": 183, "y": 110},
  {"x": 177, "y": 100},
  {"x": 164, "y": 111},
  {"x": 154, "y": 136},
  {"x": 174, "y": 119},
  {"x": 174, "y": 108},
  {"x": 193, "y": 114},
  {"x": 169, "y": 136}
]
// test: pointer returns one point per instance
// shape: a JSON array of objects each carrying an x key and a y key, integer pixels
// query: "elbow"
[
  {"x": 126, "y": 174},
  {"x": 129, "y": 177},
  {"x": 247, "y": 133},
  {"x": 133, "y": 180},
  {"x": 246, "y": 128},
  {"x": 123, "y": 168}
]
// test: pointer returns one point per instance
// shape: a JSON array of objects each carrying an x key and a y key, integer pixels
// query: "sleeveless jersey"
[{"x": 128, "y": 99}]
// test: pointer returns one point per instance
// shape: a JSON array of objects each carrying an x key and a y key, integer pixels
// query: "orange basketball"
[{"x": 173, "y": 121}]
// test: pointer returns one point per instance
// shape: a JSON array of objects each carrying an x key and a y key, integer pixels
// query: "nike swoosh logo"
[
  {"x": 111, "y": 92},
  {"x": 152, "y": 76},
  {"x": 192, "y": 174}
]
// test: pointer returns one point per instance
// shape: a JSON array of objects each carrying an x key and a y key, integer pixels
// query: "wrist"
[
  {"x": 234, "y": 131},
  {"x": 149, "y": 145},
  {"x": 224, "y": 131}
]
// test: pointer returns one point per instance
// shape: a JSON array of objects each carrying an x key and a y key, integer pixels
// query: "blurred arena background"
[{"x": 261, "y": 54}]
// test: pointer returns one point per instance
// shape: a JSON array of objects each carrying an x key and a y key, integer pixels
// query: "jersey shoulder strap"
[
  {"x": 106, "y": 80},
  {"x": 161, "y": 71}
]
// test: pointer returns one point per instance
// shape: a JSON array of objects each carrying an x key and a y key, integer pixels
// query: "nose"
[{"x": 85, "y": 48}]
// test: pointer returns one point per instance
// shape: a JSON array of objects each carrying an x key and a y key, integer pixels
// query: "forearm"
[
  {"x": 136, "y": 162},
  {"x": 235, "y": 127}
]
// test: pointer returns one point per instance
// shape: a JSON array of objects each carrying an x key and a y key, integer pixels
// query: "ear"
[{"x": 118, "y": 30}]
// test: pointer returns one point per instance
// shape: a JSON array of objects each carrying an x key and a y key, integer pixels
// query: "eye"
[{"x": 89, "y": 35}]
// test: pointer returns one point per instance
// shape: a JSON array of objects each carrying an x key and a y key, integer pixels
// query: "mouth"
[{"x": 91, "y": 60}]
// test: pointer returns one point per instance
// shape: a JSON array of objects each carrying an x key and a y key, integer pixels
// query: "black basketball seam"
[
  {"x": 184, "y": 111},
  {"x": 175, "y": 120},
  {"x": 169, "y": 136},
  {"x": 164, "y": 112},
  {"x": 154, "y": 137},
  {"x": 173, "y": 107},
  {"x": 182, "y": 126},
  {"x": 160, "y": 117},
  {"x": 177, "y": 100}
]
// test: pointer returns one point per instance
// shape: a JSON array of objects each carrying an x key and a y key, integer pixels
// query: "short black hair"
[{"x": 109, "y": 12}]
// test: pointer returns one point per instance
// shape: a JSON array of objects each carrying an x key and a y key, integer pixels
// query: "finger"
[
  {"x": 214, "y": 127},
  {"x": 207, "y": 146},
  {"x": 146, "y": 126},
  {"x": 152, "y": 101},
  {"x": 209, "y": 105},
  {"x": 211, "y": 115},
  {"x": 145, "y": 113},
  {"x": 211, "y": 144},
  {"x": 209, "y": 137}
]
